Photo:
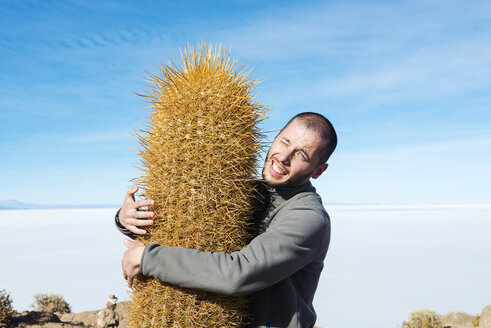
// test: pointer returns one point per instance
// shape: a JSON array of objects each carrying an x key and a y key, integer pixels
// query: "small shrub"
[
  {"x": 50, "y": 303},
  {"x": 423, "y": 319},
  {"x": 476, "y": 320},
  {"x": 6, "y": 309}
]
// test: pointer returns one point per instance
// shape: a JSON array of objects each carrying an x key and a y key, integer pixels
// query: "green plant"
[
  {"x": 476, "y": 320},
  {"x": 423, "y": 319},
  {"x": 50, "y": 303},
  {"x": 6, "y": 310}
]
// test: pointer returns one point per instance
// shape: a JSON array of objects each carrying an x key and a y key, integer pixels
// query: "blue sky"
[{"x": 407, "y": 85}]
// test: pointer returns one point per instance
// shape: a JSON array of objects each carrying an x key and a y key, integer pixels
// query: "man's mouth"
[{"x": 277, "y": 169}]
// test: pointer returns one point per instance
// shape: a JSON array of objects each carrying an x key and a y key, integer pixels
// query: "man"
[{"x": 282, "y": 265}]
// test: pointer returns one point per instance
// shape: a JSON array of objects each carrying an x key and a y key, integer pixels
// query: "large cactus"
[{"x": 198, "y": 160}]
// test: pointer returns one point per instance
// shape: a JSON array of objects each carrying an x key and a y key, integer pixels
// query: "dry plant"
[
  {"x": 50, "y": 303},
  {"x": 6, "y": 310},
  {"x": 198, "y": 159},
  {"x": 476, "y": 320},
  {"x": 423, "y": 319}
]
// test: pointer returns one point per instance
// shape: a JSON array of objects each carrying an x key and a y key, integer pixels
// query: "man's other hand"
[
  {"x": 131, "y": 217},
  {"x": 131, "y": 260}
]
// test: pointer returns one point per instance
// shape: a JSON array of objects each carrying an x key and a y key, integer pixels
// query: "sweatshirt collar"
[{"x": 289, "y": 192}]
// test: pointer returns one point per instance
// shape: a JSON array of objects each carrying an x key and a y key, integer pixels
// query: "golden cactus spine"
[{"x": 198, "y": 157}]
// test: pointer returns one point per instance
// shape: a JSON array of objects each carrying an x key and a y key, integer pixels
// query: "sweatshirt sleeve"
[{"x": 288, "y": 245}]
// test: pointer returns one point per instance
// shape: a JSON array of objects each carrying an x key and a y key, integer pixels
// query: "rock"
[
  {"x": 102, "y": 318},
  {"x": 88, "y": 318},
  {"x": 457, "y": 320},
  {"x": 107, "y": 318},
  {"x": 114, "y": 315},
  {"x": 51, "y": 325},
  {"x": 485, "y": 321},
  {"x": 33, "y": 318},
  {"x": 99, "y": 318},
  {"x": 122, "y": 311},
  {"x": 111, "y": 302}
]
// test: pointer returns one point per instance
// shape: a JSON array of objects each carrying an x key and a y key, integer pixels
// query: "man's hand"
[
  {"x": 129, "y": 215},
  {"x": 131, "y": 260}
]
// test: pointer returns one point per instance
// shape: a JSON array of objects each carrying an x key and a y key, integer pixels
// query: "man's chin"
[
  {"x": 275, "y": 183},
  {"x": 286, "y": 183}
]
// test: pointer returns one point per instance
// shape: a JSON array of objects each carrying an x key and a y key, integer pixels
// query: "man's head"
[{"x": 300, "y": 151}]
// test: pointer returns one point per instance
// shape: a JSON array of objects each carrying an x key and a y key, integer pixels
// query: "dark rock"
[{"x": 34, "y": 317}]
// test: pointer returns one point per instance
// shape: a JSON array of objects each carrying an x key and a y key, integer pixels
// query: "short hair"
[{"x": 320, "y": 124}]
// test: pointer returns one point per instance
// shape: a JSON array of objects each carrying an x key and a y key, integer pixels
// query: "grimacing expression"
[{"x": 294, "y": 157}]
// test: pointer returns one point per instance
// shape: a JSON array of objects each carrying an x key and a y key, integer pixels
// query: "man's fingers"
[
  {"x": 136, "y": 230},
  {"x": 130, "y": 281},
  {"x": 130, "y": 213},
  {"x": 143, "y": 202},
  {"x": 143, "y": 214},
  {"x": 134, "y": 214},
  {"x": 139, "y": 222},
  {"x": 128, "y": 243},
  {"x": 130, "y": 195},
  {"x": 125, "y": 276},
  {"x": 138, "y": 243}
]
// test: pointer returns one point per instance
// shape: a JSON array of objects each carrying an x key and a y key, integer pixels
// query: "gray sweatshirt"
[{"x": 280, "y": 267}]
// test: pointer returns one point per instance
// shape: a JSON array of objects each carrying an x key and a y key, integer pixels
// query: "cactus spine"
[{"x": 198, "y": 161}]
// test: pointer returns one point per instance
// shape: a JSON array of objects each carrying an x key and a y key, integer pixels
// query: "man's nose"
[{"x": 285, "y": 156}]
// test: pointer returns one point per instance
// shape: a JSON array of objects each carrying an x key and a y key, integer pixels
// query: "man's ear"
[{"x": 317, "y": 173}]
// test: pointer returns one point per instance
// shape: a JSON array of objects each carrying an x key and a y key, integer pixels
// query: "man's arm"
[{"x": 288, "y": 246}]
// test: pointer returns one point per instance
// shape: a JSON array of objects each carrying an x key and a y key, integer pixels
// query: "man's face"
[{"x": 293, "y": 157}]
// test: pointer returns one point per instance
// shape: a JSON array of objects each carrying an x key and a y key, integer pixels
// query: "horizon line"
[{"x": 352, "y": 206}]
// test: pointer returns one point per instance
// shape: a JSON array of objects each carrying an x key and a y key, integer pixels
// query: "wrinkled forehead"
[{"x": 300, "y": 135}]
